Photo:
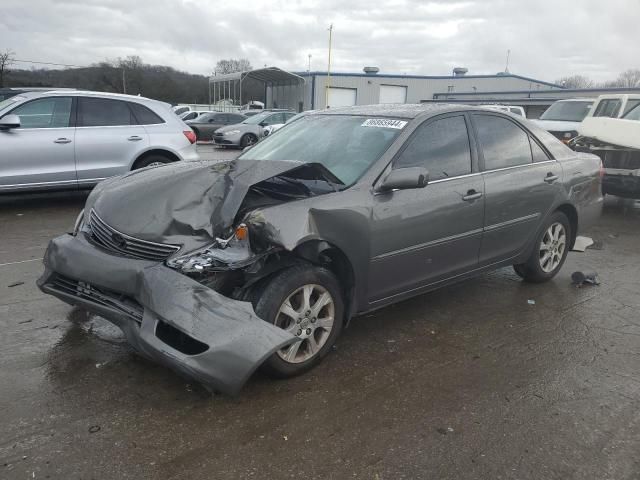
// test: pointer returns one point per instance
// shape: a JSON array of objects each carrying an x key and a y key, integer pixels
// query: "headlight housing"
[
  {"x": 232, "y": 132},
  {"x": 222, "y": 255}
]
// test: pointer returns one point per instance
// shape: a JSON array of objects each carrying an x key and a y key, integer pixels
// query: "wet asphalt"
[{"x": 490, "y": 378}]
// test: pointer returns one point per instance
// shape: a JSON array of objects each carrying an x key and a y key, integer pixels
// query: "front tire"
[
  {"x": 550, "y": 251},
  {"x": 151, "y": 161},
  {"x": 306, "y": 301},
  {"x": 248, "y": 139}
]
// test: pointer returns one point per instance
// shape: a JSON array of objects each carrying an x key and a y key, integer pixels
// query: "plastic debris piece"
[
  {"x": 94, "y": 428},
  {"x": 579, "y": 279},
  {"x": 531, "y": 302},
  {"x": 581, "y": 244},
  {"x": 15, "y": 284}
]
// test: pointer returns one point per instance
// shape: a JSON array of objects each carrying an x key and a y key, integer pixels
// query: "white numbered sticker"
[{"x": 384, "y": 123}]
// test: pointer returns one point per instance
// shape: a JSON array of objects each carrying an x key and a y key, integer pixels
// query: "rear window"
[
  {"x": 103, "y": 112},
  {"x": 144, "y": 115},
  {"x": 567, "y": 111},
  {"x": 608, "y": 108}
]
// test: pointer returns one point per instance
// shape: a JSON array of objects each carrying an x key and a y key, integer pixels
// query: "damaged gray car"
[{"x": 216, "y": 269}]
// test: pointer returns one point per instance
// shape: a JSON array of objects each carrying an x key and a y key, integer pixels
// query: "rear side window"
[
  {"x": 442, "y": 147},
  {"x": 145, "y": 116},
  {"x": 503, "y": 143},
  {"x": 608, "y": 108},
  {"x": 103, "y": 112},
  {"x": 236, "y": 118},
  {"x": 52, "y": 112},
  {"x": 516, "y": 111},
  {"x": 538, "y": 154}
]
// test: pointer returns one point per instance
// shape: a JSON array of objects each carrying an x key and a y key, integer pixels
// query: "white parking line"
[{"x": 21, "y": 261}]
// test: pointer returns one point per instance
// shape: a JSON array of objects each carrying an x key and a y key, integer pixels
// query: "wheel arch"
[
  {"x": 572, "y": 214},
  {"x": 155, "y": 151}
]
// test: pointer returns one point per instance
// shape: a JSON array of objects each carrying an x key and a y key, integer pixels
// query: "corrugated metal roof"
[{"x": 269, "y": 75}]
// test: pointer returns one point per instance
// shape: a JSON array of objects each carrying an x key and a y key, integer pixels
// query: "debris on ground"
[
  {"x": 25, "y": 321},
  {"x": 579, "y": 279},
  {"x": 15, "y": 284},
  {"x": 531, "y": 302},
  {"x": 597, "y": 245},
  {"x": 94, "y": 428},
  {"x": 581, "y": 244}
]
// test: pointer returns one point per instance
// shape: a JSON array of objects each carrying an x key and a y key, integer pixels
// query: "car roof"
[
  {"x": 89, "y": 93},
  {"x": 401, "y": 110}
]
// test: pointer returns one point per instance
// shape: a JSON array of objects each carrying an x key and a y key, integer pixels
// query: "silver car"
[
  {"x": 74, "y": 139},
  {"x": 251, "y": 130}
]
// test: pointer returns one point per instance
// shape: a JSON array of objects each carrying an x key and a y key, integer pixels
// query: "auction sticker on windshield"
[{"x": 384, "y": 123}]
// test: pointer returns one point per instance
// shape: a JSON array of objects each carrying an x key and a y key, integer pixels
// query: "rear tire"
[
  {"x": 550, "y": 251},
  {"x": 151, "y": 160},
  {"x": 306, "y": 301}
]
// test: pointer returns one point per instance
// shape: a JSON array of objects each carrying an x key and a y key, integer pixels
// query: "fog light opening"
[{"x": 178, "y": 340}]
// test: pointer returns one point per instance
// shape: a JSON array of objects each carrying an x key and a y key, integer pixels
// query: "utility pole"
[
  {"x": 309, "y": 67},
  {"x": 506, "y": 68},
  {"x": 329, "y": 68},
  {"x": 124, "y": 81}
]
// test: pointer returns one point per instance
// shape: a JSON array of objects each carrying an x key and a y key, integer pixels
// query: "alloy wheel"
[
  {"x": 552, "y": 247},
  {"x": 308, "y": 313}
]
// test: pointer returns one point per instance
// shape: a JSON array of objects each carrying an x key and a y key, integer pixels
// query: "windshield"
[
  {"x": 256, "y": 119},
  {"x": 345, "y": 145},
  {"x": 567, "y": 111},
  {"x": 633, "y": 114}
]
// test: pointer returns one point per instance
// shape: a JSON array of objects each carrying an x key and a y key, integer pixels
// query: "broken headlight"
[{"x": 222, "y": 255}]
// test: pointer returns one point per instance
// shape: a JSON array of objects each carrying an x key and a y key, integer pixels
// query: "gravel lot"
[{"x": 472, "y": 381}]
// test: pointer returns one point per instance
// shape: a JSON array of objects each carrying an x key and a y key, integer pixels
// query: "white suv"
[{"x": 74, "y": 139}]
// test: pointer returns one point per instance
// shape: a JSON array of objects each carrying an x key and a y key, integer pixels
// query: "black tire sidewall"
[
  {"x": 533, "y": 270},
  {"x": 277, "y": 290},
  {"x": 244, "y": 141},
  {"x": 146, "y": 161}
]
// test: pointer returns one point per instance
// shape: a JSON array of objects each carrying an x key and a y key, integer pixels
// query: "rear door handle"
[
  {"x": 62, "y": 140},
  {"x": 471, "y": 196},
  {"x": 134, "y": 138},
  {"x": 550, "y": 178}
]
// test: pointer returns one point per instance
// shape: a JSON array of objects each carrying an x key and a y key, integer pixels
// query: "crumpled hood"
[{"x": 188, "y": 203}]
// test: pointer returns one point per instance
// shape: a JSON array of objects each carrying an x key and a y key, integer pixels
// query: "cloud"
[{"x": 547, "y": 38}]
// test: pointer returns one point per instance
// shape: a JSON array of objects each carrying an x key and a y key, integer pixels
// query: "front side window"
[
  {"x": 51, "y": 112},
  {"x": 442, "y": 147},
  {"x": 608, "y": 108},
  {"x": 346, "y": 145},
  {"x": 503, "y": 143},
  {"x": 103, "y": 112}
]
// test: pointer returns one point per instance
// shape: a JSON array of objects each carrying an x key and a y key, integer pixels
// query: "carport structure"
[{"x": 270, "y": 85}]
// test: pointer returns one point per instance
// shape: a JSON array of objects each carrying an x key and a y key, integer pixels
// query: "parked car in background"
[
  {"x": 250, "y": 130},
  {"x": 262, "y": 260},
  {"x": 75, "y": 139},
  {"x": 509, "y": 109},
  {"x": 205, "y": 125},
  {"x": 193, "y": 115},
  {"x": 562, "y": 118}
]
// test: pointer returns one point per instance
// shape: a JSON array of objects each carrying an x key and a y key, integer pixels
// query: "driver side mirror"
[
  {"x": 404, "y": 179},
  {"x": 10, "y": 121}
]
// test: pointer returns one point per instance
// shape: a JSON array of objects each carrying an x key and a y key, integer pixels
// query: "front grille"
[
  {"x": 110, "y": 239},
  {"x": 106, "y": 298}
]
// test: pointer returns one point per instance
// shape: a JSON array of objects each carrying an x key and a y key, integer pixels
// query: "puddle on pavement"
[{"x": 96, "y": 326}]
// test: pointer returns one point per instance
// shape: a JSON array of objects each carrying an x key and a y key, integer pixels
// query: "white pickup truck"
[{"x": 612, "y": 131}]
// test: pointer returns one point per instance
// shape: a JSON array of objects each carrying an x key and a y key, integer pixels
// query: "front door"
[
  {"x": 422, "y": 236},
  {"x": 107, "y": 139},
  {"x": 521, "y": 184},
  {"x": 39, "y": 154}
]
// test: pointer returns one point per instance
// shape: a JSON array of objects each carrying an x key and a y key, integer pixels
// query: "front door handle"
[
  {"x": 471, "y": 196},
  {"x": 62, "y": 140},
  {"x": 134, "y": 138},
  {"x": 550, "y": 178}
]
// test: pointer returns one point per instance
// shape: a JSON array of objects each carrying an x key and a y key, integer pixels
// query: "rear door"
[
  {"x": 40, "y": 153},
  {"x": 107, "y": 139},
  {"x": 519, "y": 192},
  {"x": 421, "y": 236}
]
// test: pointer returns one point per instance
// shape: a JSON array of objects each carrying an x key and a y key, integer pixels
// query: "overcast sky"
[{"x": 547, "y": 38}]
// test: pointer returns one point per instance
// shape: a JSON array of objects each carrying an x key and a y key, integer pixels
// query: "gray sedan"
[
  {"x": 261, "y": 261},
  {"x": 250, "y": 130},
  {"x": 204, "y": 125}
]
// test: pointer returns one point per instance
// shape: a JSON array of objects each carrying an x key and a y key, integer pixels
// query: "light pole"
[{"x": 329, "y": 69}]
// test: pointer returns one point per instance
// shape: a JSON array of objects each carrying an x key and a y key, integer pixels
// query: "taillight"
[
  {"x": 601, "y": 169},
  {"x": 190, "y": 136}
]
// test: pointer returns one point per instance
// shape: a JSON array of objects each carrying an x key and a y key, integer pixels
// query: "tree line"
[
  {"x": 123, "y": 75},
  {"x": 627, "y": 79}
]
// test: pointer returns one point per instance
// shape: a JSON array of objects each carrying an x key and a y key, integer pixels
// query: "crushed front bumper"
[{"x": 166, "y": 316}]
